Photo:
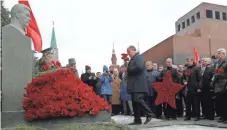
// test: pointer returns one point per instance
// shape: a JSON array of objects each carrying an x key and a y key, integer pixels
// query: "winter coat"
[
  {"x": 220, "y": 78},
  {"x": 116, "y": 91},
  {"x": 105, "y": 80},
  {"x": 124, "y": 96},
  {"x": 152, "y": 76},
  {"x": 137, "y": 75}
]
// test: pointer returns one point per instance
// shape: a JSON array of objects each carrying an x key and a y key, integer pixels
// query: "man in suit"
[
  {"x": 137, "y": 86},
  {"x": 207, "y": 73}
]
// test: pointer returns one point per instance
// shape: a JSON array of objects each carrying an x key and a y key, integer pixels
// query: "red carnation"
[
  {"x": 45, "y": 67},
  {"x": 124, "y": 57},
  {"x": 220, "y": 71},
  {"x": 187, "y": 73},
  {"x": 56, "y": 63}
]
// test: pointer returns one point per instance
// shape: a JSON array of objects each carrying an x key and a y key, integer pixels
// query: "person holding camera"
[
  {"x": 88, "y": 77},
  {"x": 106, "y": 89}
]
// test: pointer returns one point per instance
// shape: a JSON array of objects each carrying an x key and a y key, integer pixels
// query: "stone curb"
[{"x": 166, "y": 123}]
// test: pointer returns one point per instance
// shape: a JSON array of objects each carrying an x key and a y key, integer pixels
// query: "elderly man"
[
  {"x": 169, "y": 111},
  {"x": 207, "y": 94},
  {"x": 137, "y": 85},
  {"x": 152, "y": 76},
  {"x": 220, "y": 84}
]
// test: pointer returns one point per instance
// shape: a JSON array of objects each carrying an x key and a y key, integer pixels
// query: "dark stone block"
[{"x": 13, "y": 119}]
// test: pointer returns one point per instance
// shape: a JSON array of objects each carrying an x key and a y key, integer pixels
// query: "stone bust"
[{"x": 20, "y": 17}]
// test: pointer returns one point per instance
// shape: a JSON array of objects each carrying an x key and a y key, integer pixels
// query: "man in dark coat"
[
  {"x": 207, "y": 73},
  {"x": 219, "y": 84},
  {"x": 137, "y": 85},
  {"x": 88, "y": 77},
  {"x": 192, "y": 78}
]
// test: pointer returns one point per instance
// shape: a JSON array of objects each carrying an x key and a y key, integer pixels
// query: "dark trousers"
[
  {"x": 217, "y": 108},
  {"x": 221, "y": 102},
  {"x": 139, "y": 104},
  {"x": 208, "y": 104},
  {"x": 151, "y": 102},
  {"x": 116, "y": 109},
  {"x": 179, "y": 105},
  {"x": 159, "y": 110},
  {"x": 169, "y": 111},
  {"x": 107, "y": 98},
  {"x": 193, "y": 101}
]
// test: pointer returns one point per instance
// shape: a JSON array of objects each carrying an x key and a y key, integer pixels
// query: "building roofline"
[
  {"x": 201, "y": 4},
  {"x": 158, "y": 44}
]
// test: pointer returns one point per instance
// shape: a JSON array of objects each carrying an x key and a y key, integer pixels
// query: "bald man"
[{"x": 169, "y": 111}]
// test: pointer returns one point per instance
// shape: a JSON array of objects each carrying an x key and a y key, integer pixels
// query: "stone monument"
[
  {"x": 72, "y": 65},
  {"x": 16, "y": 64}
]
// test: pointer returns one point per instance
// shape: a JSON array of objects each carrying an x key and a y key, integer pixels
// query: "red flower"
[
  {"x": 45, "y": 67},
  {"x": 60, "y": 94},
  {"x": 56, "y": 63},
  {"x": 220, "y": 71},
  {"x": 124, "y": 57},
  {"x": 187, "y": 73}
]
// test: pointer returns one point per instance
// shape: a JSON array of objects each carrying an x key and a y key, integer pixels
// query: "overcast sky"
[{"x": 86, "y": 29}]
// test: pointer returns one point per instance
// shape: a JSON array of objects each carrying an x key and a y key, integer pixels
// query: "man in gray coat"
[{"x": 137, "y": 86}]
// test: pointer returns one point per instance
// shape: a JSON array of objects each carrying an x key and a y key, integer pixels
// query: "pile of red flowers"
[
  {"x": 60, "y": 94},
  {"x": 55, "y": 65}
]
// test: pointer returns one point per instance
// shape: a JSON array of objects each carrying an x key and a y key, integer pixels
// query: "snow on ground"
[
  {"x": 184, "y": 127},
  {"x": 157, "y": 124},
  {"x": 120, "y": 119}
]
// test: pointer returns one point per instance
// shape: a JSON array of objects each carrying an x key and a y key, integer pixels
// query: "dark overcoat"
[{"x": 137, "y": 80}]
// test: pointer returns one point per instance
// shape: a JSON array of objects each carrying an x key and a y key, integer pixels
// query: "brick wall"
[{"x": 160, "y": 52}]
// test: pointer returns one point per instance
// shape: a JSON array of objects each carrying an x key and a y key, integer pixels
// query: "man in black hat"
[
  {"x": 47, "y": 58},
  {"x": 88, "y": 77}
]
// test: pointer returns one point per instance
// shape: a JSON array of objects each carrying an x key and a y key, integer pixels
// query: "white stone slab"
[{"x": 186, "y": 127}]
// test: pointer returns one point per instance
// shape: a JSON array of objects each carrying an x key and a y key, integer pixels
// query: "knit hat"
[
  {"x": 87, "y": 67},
  {"x": 105, "y": 68}
]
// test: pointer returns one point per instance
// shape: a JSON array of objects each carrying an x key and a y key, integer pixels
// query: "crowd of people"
[{"x": 130, "y": 90}]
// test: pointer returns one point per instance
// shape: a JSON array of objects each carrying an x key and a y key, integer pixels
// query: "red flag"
[
  {"x": 196, "y": 56},
  {"x": 32, "y": 29}
]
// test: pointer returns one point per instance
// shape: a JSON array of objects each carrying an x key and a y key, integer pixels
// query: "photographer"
[
  {"x": 88, "y": 77},
  {"x": 105, "y": 80}
]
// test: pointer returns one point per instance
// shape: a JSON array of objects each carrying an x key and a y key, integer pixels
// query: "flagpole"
[{"x": 210, "y": 46}]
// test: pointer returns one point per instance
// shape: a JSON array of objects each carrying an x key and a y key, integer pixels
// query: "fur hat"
[{"x": 87, "y": 67}]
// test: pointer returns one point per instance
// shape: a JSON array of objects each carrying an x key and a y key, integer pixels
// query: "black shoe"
[
  {"x": 148, "y": 120},
  {"x": 187, "y": 118},
  {"x": 210, "y": 118},
  {"x": 203, "y": 117},
  {"x": 174, "y": 118},
  {"x": 221, "y": 120},
  {"x": 225, "y": 122},
  {"x": 196, "y": 119},
  {"x": 135, "y": 123}
]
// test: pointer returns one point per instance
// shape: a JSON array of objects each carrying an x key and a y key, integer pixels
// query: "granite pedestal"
[{"x": 16, "y": 72}]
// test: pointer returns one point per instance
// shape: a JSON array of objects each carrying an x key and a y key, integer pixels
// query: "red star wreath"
[{"x": 167, "y": 90}]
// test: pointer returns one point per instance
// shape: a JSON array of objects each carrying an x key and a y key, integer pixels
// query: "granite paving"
[{"x": 179, "y": 124}]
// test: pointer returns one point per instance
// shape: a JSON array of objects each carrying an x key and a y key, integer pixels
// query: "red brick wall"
[{"x": 160, "y": 52}]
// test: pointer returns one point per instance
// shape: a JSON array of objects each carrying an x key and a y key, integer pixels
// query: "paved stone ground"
[{"x": 179, "y": 124}]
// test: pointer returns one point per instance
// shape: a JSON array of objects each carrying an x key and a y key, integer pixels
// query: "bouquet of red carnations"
[{"x": 60, "y": 94}]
